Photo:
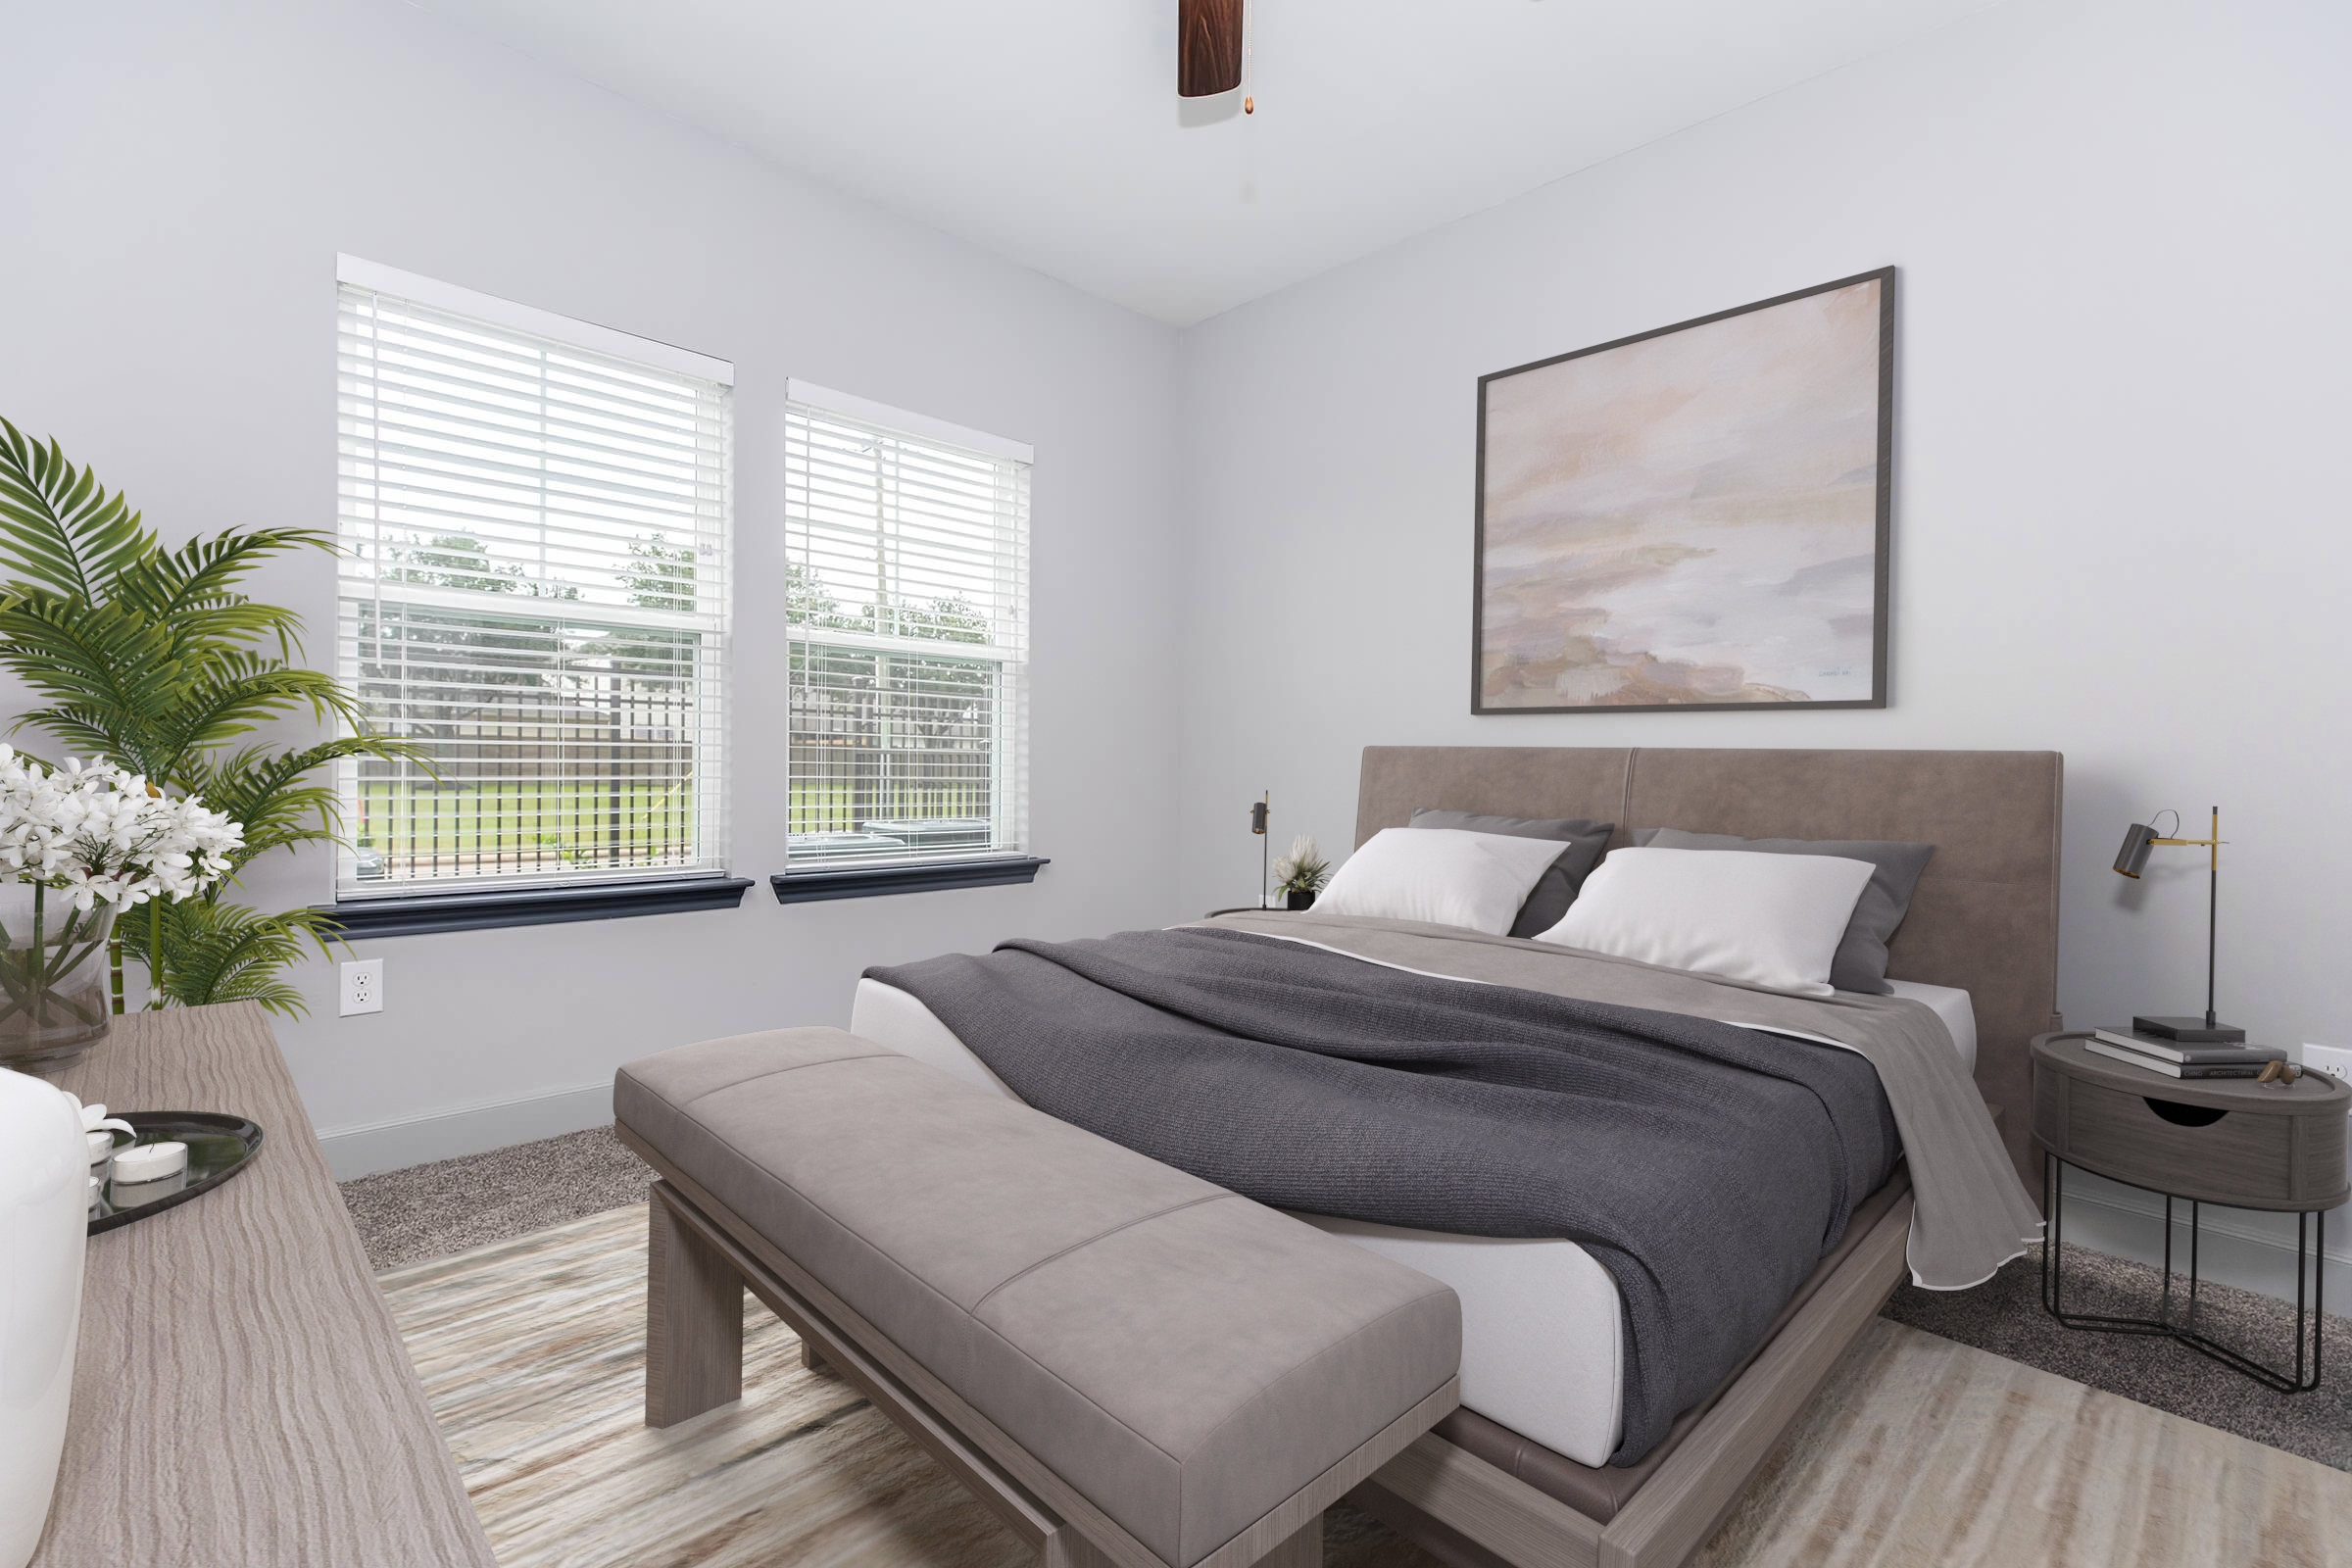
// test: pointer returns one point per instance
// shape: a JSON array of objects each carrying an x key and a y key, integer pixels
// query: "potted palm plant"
[{"x": 154, "y": 661}]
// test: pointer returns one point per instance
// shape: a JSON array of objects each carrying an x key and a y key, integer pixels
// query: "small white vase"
[{"x": 44, "y": 1230}]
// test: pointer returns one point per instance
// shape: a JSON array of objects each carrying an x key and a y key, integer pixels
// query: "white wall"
[
  {"x": 2119, "y": 518},
  {"x": 2120, "y": 524},
  {"x": 176, "y": 184}
]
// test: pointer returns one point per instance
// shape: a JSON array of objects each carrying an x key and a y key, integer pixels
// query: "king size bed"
[{"x": 1654, "y": 1279}]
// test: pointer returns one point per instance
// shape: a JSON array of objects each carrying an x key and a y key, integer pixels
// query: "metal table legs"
[{"x": 2308, "y": 1318}]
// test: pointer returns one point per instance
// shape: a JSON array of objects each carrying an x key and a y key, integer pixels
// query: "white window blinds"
[
  {"x": 534, "y": 593},
  {"x": 906, "y": 594}
]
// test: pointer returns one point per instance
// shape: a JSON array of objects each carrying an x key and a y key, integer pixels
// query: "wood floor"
[{"x": 1919, "y": 1452}]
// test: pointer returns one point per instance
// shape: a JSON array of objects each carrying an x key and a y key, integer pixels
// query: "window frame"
[
  {"x": 1010, "y": 859},
  {"x": 462, "y": 902}
]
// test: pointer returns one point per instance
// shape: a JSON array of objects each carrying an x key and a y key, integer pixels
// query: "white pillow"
[
  {"x": 1443, "y": 875},
  {"x": 1772, "y": 920}
]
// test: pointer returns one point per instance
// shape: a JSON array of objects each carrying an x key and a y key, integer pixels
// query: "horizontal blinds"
[
  {"x": 535, "y": 595},
  {"x": 907, "y": 597}
]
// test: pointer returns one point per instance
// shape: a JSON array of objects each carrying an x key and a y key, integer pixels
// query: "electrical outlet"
[
  {"x": 2333, "y": 1061},
  {"x": 364, "y": 986}
]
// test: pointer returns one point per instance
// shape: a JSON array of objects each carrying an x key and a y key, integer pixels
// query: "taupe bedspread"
[{"x": 1972, "y": 1213}]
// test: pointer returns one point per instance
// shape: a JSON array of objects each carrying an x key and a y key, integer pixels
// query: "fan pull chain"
[{"x": 1248, "y": 63}]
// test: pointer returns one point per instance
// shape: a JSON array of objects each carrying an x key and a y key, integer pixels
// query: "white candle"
[{"x": 149, "y": 1162}]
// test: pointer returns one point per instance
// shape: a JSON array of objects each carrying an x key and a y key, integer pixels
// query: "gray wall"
[
  {"x": 2119, "y": 526},
  {"x": 177, "y": 181}
]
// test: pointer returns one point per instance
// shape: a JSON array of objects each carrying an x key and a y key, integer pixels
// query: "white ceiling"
[{"x": 1050, "y": 130}]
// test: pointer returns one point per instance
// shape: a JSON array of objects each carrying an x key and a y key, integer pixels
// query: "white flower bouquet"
[{"x": 79, "y": 843}]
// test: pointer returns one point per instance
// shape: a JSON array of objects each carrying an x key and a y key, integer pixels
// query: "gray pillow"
[
  {"x": 1549, "y": 900},
  {"x": 1861, "y": 961}
]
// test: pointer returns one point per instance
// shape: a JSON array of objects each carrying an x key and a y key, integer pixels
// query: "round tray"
[{"x": 219, "y": 1147}]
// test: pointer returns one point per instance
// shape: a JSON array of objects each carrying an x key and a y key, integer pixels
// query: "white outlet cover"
[
  {"x": 362, "y": 987},
  {"x": 2335, "y": 1060}
]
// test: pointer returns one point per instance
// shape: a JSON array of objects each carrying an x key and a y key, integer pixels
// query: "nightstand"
[{"x": 2228, "y": 1141}]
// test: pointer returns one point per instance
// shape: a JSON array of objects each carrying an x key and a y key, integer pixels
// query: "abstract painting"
[{"x": 1692, "y": 518}]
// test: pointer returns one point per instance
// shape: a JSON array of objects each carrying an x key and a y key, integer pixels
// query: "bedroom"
[{"x": 1243, "y": 353}]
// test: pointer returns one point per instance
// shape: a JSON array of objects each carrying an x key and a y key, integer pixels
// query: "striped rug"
[{"x": 1919, "y": 1452}]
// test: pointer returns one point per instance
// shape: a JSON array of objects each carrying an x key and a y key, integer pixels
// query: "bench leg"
[
  {"x": 812, "y": 1361},
  {"x": 693, "y": 1321},
  {"x": 1303, "y": 1549},
  {"x": 1066, "y": 1547}
]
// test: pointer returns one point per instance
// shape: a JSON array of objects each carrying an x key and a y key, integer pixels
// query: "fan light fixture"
[{"x": 1208, "y": 49}]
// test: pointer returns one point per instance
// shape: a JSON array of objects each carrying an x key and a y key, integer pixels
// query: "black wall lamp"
[
  {"x": 1259, "y": 810},
  {"x": 2129, "y": 862}
]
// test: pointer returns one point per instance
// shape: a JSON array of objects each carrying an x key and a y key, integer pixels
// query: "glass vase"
[{"x": 53, "y": 977}]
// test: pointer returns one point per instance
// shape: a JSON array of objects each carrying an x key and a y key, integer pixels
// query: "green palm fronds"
[
  {"x": 228, "y": 953},
  {"x": 60, "y": 531},
  {"x": 156, "y": 660}
]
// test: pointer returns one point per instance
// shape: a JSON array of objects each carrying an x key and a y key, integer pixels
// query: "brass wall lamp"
[{"x": 2129, "y": 862}]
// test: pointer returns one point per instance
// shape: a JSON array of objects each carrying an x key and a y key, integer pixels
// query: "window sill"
[
  {"x": 876, "y": 881},
  {"x": 482, "y": 911}
]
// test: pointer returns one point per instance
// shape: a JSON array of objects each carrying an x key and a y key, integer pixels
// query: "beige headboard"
[{"x": 1985, "y": 914}]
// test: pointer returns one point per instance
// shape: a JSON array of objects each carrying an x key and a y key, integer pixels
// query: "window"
[
  {"x": 907, "y": 597},
  {"x": 535, "y": 516}
]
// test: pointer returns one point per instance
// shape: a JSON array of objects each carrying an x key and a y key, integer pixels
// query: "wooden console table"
[{"x": 240, "y": 1395}]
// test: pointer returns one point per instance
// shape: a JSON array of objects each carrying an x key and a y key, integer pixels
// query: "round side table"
[{"x": 2228, "y": 1141}]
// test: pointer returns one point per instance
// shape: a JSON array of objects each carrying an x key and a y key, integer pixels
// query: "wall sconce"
[{"x": 1258, "y": 811}]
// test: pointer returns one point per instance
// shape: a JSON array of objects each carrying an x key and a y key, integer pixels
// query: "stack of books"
[{"x": 2177, "y": 1058}]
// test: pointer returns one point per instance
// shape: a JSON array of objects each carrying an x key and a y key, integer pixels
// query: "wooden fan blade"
[{"x": 1209, "y": 47}]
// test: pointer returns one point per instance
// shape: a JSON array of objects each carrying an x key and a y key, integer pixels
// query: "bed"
[
  {"x": 1543, "y": 1344},
  {"x": 1521, "y": 1475}
]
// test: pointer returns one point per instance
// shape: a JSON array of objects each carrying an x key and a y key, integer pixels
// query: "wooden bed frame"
[{"x": 1985, "y": 918}]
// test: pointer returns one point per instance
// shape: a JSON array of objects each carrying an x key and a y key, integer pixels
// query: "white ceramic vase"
[{"x": 44, "y": 1228}]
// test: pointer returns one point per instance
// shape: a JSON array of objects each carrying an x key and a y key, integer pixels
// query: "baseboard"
[
  {"x": 468, "y": 1130},
  {"x": 2253, "y": 1251}
]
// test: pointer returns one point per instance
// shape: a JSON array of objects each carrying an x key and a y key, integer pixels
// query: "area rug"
[
  {"x": 431, "y": 1211},
  {"x": 1919, "y": 1452}
]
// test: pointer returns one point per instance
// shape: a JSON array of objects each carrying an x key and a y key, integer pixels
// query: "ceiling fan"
[{"x": 1208, "y": 48}]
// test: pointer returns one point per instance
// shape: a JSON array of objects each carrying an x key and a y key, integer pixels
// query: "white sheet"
[
  {"x": 1542, "y": 1334},
  {"x": 1951, "y": 1005}
]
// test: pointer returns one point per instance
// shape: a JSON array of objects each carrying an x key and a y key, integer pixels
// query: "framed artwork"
[{"x": 1694, "y": 517}]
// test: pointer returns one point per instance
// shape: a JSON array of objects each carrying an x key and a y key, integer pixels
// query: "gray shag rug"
[{"x": 405, "y": 1216}]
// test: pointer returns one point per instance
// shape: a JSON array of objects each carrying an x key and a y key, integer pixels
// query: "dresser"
[{"x": 240, "y": 1395}]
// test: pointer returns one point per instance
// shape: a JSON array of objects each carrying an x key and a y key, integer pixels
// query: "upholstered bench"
[{"x": 1126, "y": 1362}]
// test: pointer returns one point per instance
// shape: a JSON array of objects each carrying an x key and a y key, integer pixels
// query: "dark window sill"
[
  {"x": 875, "y": 881},
  {"x": 499, "y": 906}
]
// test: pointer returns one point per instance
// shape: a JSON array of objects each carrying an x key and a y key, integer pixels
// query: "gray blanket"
[
  {"x": 1706, "y": 1166},
  {"x": 1972, "y": 1213}
]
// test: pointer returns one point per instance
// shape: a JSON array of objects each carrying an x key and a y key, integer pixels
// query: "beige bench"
[{"x": 1127, "y": 1363}]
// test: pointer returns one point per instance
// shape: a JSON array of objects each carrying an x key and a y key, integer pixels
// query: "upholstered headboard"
[{"x": 1985, "y": 914}]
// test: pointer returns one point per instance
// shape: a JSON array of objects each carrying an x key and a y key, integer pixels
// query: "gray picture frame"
[{"x": 1878, "y": 693}]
